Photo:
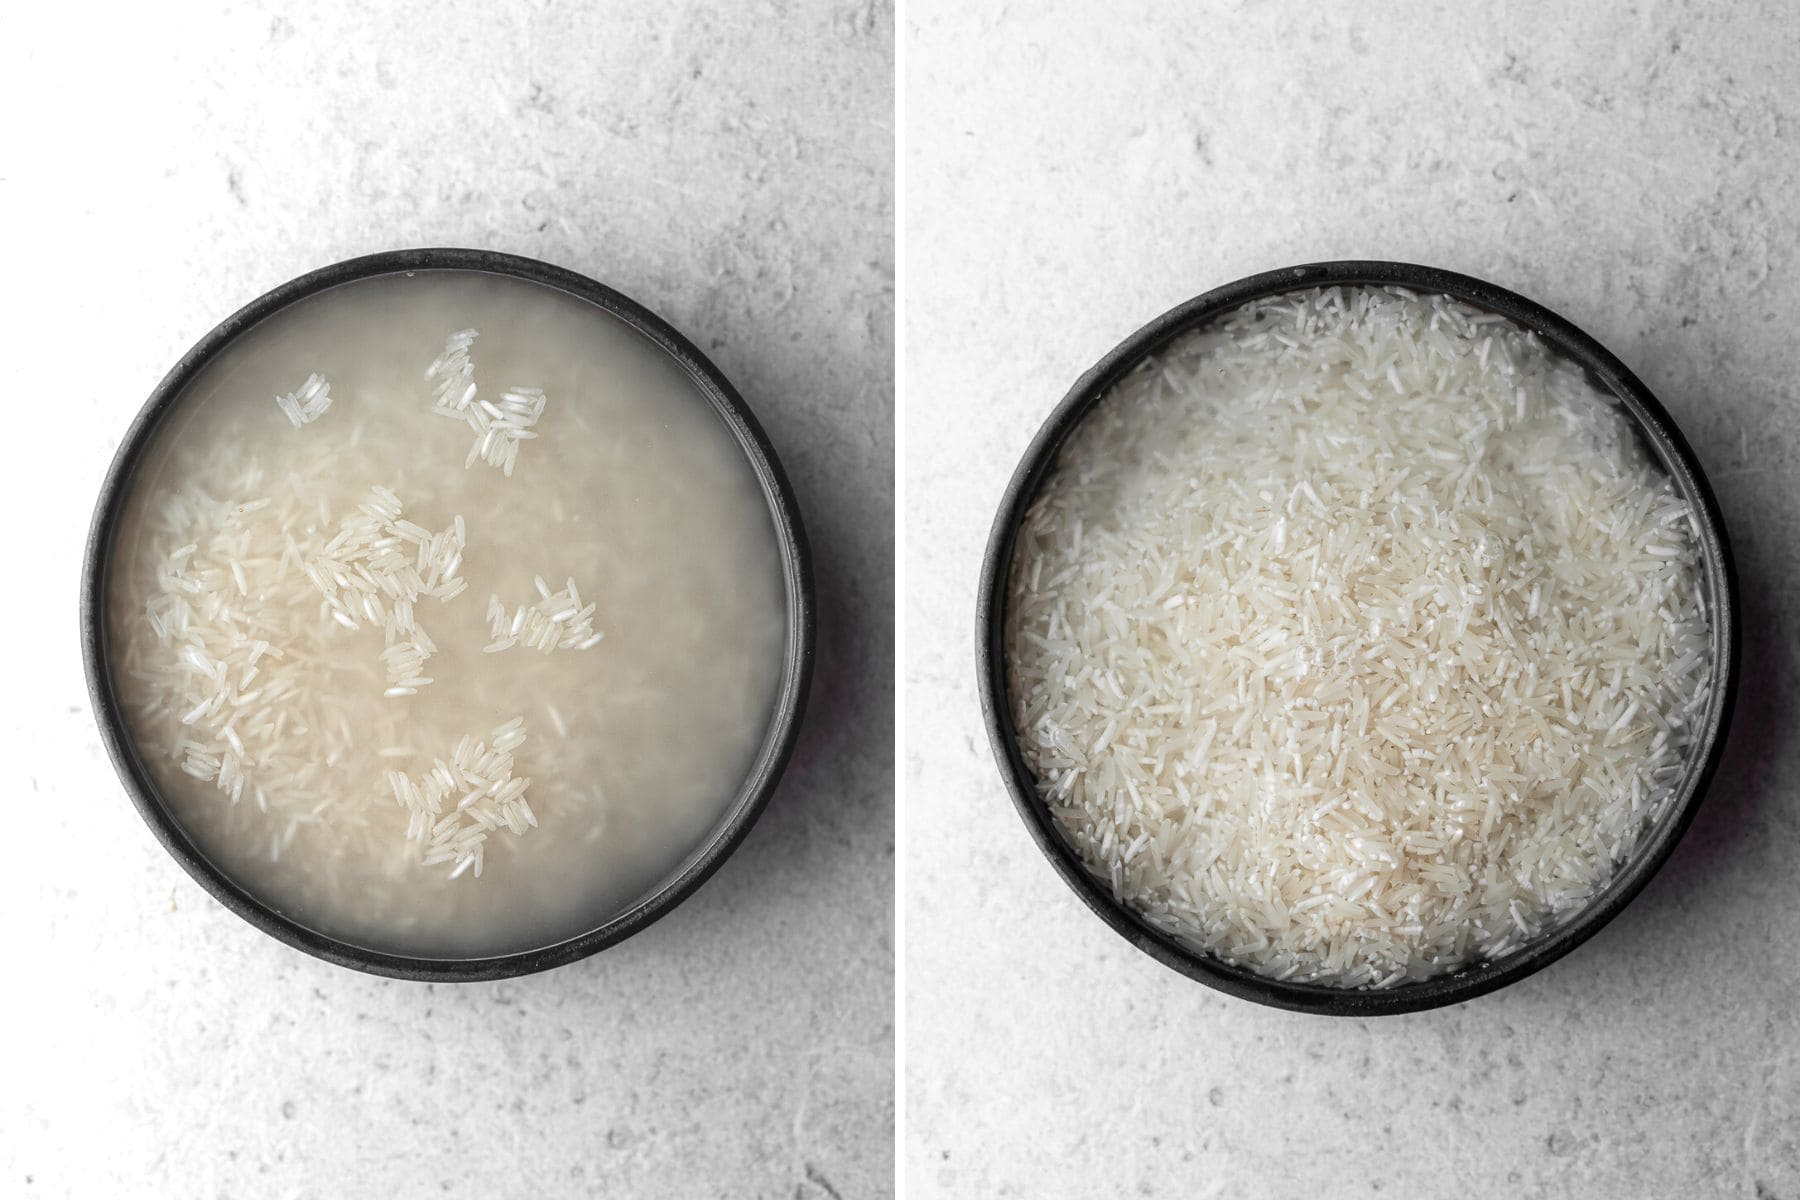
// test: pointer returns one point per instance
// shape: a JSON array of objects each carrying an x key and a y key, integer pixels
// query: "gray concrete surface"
[
  {"x": 731, "y": 167},
  {"x": 1072, "y": 170}
]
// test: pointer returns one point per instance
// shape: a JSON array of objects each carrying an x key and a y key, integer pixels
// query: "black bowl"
[
  {"x": 1718, "y": 581},
  {"x": 752, "y": 794}
]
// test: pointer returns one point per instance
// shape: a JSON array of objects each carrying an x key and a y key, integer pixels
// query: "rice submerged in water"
[
  {"x": 298, "y": 611},
  {"x": 1354, "y": 637}
]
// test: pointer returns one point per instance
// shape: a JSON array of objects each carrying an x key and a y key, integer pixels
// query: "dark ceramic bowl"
[
  {"x": 1718, "y": 582},
  {"x": 752, "y": 794}
]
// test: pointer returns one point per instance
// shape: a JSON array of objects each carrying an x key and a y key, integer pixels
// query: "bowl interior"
[
  {"x": 770, "y": 754},
  {"x": 1717, "y": 582}
]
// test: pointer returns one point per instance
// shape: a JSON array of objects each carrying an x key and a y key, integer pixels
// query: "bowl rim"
[
  {"x": 760, "y": 779},
  {"x": 1475, "y": 979}
]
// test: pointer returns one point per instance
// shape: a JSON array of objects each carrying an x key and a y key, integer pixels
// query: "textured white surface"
[
  {"x": 731, "y": 168},
  {"x": 1075, "y": 169}
]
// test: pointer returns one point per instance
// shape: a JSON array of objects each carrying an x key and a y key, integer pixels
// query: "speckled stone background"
[
  {"x": 1073, "y": 169},
  {"x": 731, "y": 167}
]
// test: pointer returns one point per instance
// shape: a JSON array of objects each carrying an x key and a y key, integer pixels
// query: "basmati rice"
[
  {"x": 253, "y": 567},
  {"x": 366, "y": 571},
  {"x": 308, "y": 403},
  {"x": 1354, "y": 637},
  {"x": 553, "y": 622},
  {"x": 491, "y": 798},
  {"x": 499, "y": 427}
]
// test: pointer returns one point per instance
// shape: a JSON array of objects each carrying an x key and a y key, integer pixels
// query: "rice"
[
  {"x": 491, "y": 798},
  {"x": 376, "y": 568},
  {"x": 313, "y": 606},
  {"x": 452, "y": 375},
  {"x": 1354, "y": 638},
  {"x": 220, "y": 603},
  {"x": 555, "y": 621},
  {"x": 307, "y": 403},
  {"x": 499, "y": 426},
  {"x": 249, "y": 573}
]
